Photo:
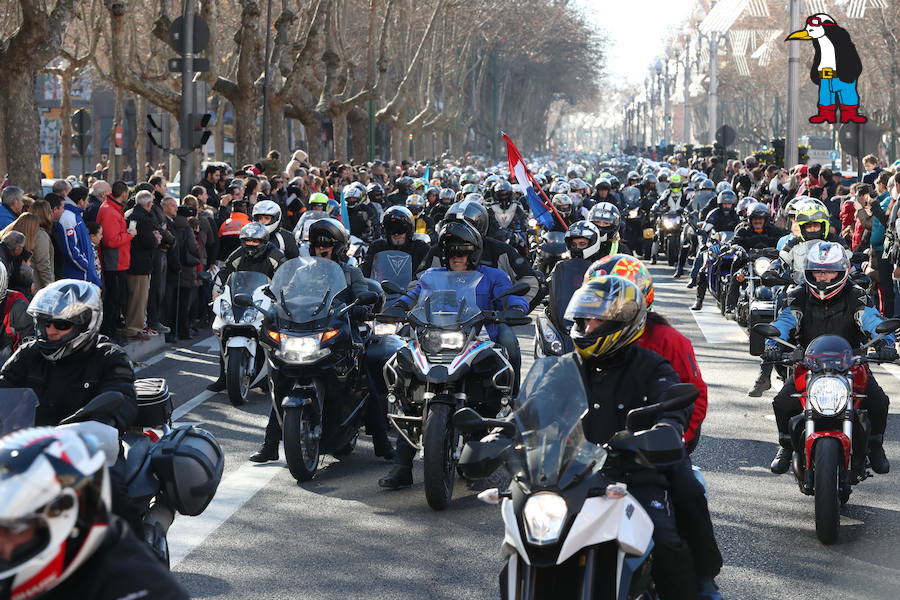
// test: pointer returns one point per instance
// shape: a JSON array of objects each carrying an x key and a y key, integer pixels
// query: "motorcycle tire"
[
  {"x": 237, "y": 376},
  {"x": 673, "y": 250},
  {"x": 437, "y": 456},
  {"x": 301, "y": 448},
  {"x": 827, "y": 466},
  {"x": 654, "y": 250}
]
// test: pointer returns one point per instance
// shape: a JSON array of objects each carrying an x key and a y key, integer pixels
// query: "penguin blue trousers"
[{"x": 834, "y": 91}]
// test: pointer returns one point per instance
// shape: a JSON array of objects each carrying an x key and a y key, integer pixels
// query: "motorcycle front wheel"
[
  {"x": 237, "y": 376},
  {"x": 301, "y": 442},
  {"x": 437, "y": 448},
  {"x": 672, "y": 251},
  {"x": 827, "y": 466}
]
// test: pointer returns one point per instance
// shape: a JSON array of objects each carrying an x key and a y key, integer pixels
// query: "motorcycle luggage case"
[
  {"x": 154, "y": 402},
  {"x": 188, "y": 462},
  {"x": 760, "y": 312}
]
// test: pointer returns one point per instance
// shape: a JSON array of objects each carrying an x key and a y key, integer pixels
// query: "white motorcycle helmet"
[
  {"x": 270, "y": 209},
  {"x": 54, "y": 506}
]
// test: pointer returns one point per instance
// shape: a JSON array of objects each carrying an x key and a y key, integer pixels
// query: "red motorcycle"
[{"x": 831, "y": 434}]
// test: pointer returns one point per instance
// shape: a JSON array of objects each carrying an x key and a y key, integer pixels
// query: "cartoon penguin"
[{"x": 835, "y": 69}]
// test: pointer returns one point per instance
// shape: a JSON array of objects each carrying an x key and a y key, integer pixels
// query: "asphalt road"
[{"x": 340, "y": 536}]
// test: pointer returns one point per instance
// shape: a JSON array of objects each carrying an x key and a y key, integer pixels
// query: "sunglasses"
[
  {"x": 58, "y": 324},
  {"x": 324, "y": 244},
  {"x": 817, "y": 22}
]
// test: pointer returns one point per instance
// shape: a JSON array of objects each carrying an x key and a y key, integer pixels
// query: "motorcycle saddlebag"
[
  {"x": 760, "y": 312},
  {"x": 154, "y": 402},
  {"x": 188, "y": 462}
]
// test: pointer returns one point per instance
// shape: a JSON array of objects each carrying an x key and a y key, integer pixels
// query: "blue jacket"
[
  {"x": 75, "y": 241},
  {"x": 6, "y": 216},
  {"x": 492, "y": 283},
  {"x": 876, "y": 237}
]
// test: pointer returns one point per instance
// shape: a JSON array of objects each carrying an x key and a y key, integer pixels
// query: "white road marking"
[
  {"x": 234, "y": 491},
  {"x": 191, "y": 404},
  {"x": 211, "y": 344},
  {"x": 716, "y": 328}
]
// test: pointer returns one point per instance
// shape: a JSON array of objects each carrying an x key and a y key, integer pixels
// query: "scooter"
[
  {"x": 572, "y": 529},
  {"x": 315, "y": 361},
  {"x": 831, "y": 434},
  {"x": 238, "y": 329},
  {"x": 446, "y": 365}
]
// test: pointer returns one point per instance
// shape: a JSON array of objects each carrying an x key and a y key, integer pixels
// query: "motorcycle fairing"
[{"x": 603, "y": 519}]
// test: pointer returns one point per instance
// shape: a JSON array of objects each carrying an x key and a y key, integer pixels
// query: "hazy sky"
[{"x": 634, "y": 30}]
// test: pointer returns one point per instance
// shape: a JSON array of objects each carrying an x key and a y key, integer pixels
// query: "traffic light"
[
  {"x": 199, "y": 132},
  {"x": 80, "y": 142},
  {"x": 154, "y": 128}
]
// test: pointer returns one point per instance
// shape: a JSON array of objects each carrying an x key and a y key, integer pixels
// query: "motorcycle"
[
  {"x": 551, "y": 330},
  {"x": 667, "y": 238},
  {"x": 831, "y": 434},
  {"x": 572, "y": 529},
  {"x": 446, "y": 365},
  {"x": 394, "y": 266},
  {"x": 719, "y": 257},
  {"x": 550, "y": 251},
  {"x": 238, "y": 331},
  {"x": 632, "y": 216},
  {"x": 756, "y": 301},
  {"x": 315, "y": 360},
  {"x": 168, "y": 469}
]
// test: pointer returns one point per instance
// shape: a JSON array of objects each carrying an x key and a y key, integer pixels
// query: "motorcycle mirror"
[
  {"x": 391, "y": 288},
  {"x": 367, "y": 298},
  {"x": 517, "y": 289},
  {"x": 658, "y": 447},
  {"x": 680, "y": 395},
  {"x": 888, "y": 326},
  {"x": 766, "y": 330},
  {"x": 243, "y": 300},
  {"x": 772, "y": 279},
  {"x": 102, "y": 404}
]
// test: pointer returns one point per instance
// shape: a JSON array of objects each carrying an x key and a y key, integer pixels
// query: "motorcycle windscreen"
[
  {"x": 393, "y": 266},
  {"x": 552, "y": 402},
  {"x": 17, "y": 408},
  {"x": 305, "y": 288},
  {"x": 447, "y": 298},
  {"x": 244, "y": 282},
  {"x": 632, "y": 197},
  {"x": 567, "y": 276}
]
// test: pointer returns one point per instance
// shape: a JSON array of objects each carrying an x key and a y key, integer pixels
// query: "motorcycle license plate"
[{"x": 648, "y": 234}]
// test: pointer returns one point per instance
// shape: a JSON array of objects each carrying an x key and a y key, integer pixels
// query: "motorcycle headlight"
[
  {"x": 544, "y": 514},
  {"x": 551, "y": 338},
  {"x": 669, "y": 223},
  {"x": 303, "y": 349},
  {"x": 634, "y": 213},
  {"x": 828, "y": 396},
  {"x": 761, "y": 265},
  {"x": 249, "y": 316},
  {"x": 435, "y": 341},
  {"x": 532, "y": 223},
  {"x": 386, "y": 328}
]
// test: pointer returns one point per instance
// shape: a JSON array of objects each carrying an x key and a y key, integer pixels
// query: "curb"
[{"x": 139, "y": 351}]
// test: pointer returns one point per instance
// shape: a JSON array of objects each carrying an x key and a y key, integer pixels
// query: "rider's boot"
[
  {"x": 877, "y": 458},
  {"x": 698, "y": 304},
  {"x": 782, "y": 460},
  {"x": 709, "y": 590},
  {"x": 219, "y": 384},
  {"x": 692, "y": 283},
  {"x": 763, "y": 382},
  {"x": 267, "y": 452},
  {"x": 400, "y": 475}
]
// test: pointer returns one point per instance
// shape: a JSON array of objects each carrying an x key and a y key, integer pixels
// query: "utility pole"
[
  {"x": 790, "y": 138},
  {"x": 186, "y": 155},
  {"x": 713, "y": 85},
  {"x": 667, "y": 106},
  {"x": 686, "y": 133}
]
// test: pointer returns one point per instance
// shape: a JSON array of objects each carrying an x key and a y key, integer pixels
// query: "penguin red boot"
[
  {"x": 849, "y": 114},
  {"x": 827, "y": 114}
]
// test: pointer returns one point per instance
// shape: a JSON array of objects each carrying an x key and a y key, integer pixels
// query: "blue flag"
[
  {"x": 427, "y": 175},
  {"x": 538, "y": 210},
  {"x": 345, "y": 215}
]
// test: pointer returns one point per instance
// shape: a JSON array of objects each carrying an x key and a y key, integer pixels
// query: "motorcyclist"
[
  {"x": 722, "y": 218},
  {"x": 398, "y": 225},
  {"x": 602, "y": 189},
  {"x": 432, "y": 194},
  {"x": 363, "y": 216},
  {"x": 660, "y": 337},
  {"x": 606, "y": 217},
  {"x": 317, "y": 209},
  {"x": 460, "y": 246},
  {"x": 829, "y": 304},
  {"x": 329, "y": 239},
  {"x": 565, "y": 207},
  {"x": 403, "y": 187},
  {"x": 58, "y": 539},
  {"x": 446, "y": 198},
  {"x": 813, "y": 225},
  {"x": 757, "y": 232},
  {"x": 609, "y": 315},
  {"x": 673, "y": 199},
  {"x": 422, "y": 223},
  {"x": 268, "y": 214},
  {"x": 494, "y": 253},
  {"x": 68, "y": 363},
  {"x": 509, "y": 215}
]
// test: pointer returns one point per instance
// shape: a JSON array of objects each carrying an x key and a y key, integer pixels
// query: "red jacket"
[
  {"x": 115, "y": 246},
  {"x": 678, "y": 350}
]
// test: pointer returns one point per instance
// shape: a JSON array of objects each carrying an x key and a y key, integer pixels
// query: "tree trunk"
[
  {"x": 4, "y": 166},
  {"x": 359, "y": 125},
  {"x": 22, "y": 134},
  {"x": 339, "y": 128},
  {"x": 115, "y": 159},
  {"x": 219, "y": 140},
  {"x": 315, "y": 147},
  {"x": 278, "y": 129},
  {"x": 399, "y": 143},
  {"x": 140, "y": 142},
  {"x": 65, "y": 131},
  {"x": 246, "y": 130}
]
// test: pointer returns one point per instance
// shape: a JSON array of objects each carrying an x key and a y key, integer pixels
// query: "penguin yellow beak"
[{"x": 799, "y": 35}]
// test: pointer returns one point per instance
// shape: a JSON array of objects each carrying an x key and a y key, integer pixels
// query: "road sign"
[
  {"x": 201, "y": 34},
  {"x": 834, "y": 155},
  {"x": 725, "y": 135},
  {"x": 81, "y": 121},
  {"x": 200, "y": 65},
  {"x": 821, "y": 157}
]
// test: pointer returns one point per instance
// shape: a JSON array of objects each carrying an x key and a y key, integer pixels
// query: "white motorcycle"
[
  {"x": 572, "y": 529},
  {"x": 238, "y": 330}
]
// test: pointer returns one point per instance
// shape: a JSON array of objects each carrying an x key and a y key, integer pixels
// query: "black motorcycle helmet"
[
  {"x": 503, "y": 193},
  {"x": 329, "y": 233},
  {"x": 460, "y": 237},
  {"x": 375, "y": 192},
  {"x": 471, "y": 212},
  {"x": 726, "y": 197},
  {"x": 251, "y": 233},
  {"x": 447, "y": 196},
  {"x": 404, "y": 184},
  {"x": 649, "y": 180},
  {"x": 397, "y": 220}
]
